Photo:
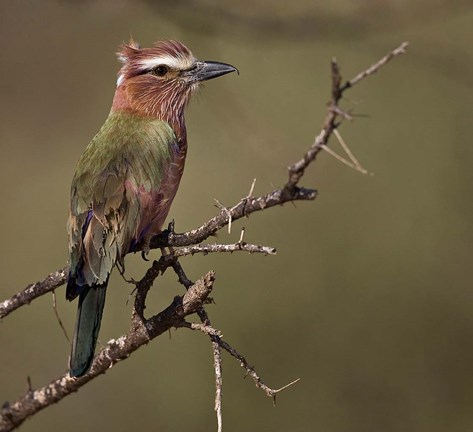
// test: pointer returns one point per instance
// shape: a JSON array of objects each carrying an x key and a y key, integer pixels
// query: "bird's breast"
[{"x": 156, "y": 194}]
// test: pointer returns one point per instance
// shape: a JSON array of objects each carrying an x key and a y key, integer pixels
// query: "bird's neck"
[{"x": 174, "y": 116}]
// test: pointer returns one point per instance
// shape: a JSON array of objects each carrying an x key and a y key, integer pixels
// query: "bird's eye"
[{"x": 160, "y": 70}]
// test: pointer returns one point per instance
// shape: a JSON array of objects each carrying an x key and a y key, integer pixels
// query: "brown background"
[{"x": 369, "y": 299}]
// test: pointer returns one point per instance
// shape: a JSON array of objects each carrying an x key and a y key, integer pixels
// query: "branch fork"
[{"x": 197, "y": 295}]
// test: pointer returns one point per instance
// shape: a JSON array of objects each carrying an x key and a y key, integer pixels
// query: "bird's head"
[{"x": 159, "y": 81}]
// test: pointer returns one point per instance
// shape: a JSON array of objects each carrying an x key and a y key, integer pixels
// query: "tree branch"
[
  {"x": 143, "y": 330},
  {"x": 33, "y": 291},
  {"x": 58, "y": 278}
]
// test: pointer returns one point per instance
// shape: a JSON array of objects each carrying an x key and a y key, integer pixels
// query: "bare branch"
[
  {"x": 50, "y": 283},
  {"x": 143, "y": 329},
  {"x": 244, "y": 208},
  {"x": 207, "y": 328},
  {"x": 401, "y": 49},
  {"x": 115, "y": 351},
  {"x": 250, "y": 370},
  {"x": 58, "y": 278},
  {"x": 247, "y": 205},
  {"x": 296, "y": 171},
  {"x": 218, "y": 382},
  {"x": 212, "y": 248}
]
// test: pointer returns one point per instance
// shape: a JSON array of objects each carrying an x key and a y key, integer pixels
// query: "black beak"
[{"x": 205, "y": 70}]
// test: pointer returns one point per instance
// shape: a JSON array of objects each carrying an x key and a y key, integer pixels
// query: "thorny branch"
[
  {"x": 143, "y": 329},
  {"x": 58, "y": 278},
  {"x": 141, "y": 332}
]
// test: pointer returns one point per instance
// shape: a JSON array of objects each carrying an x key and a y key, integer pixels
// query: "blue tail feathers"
[{"x": 89, "y": 316}]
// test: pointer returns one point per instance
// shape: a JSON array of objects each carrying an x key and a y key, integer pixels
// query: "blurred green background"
[{"x": 369, "y": 299}]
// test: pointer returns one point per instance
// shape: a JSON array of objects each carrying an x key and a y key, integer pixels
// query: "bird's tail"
[{"x": 89, "y": 316}]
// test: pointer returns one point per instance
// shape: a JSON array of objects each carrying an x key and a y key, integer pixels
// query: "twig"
[
  {"x": 243, "y": 208},
  {"x": 33, "y": 291},
  {"x": 341, "y": 113},
  {"x": 230, "y": 248},
  {"x": 218, "y": 382},
  {"x": 296, "y": 171},
  {"x": 240, "y": 241},
  {"x": 207, "y": 328},
  {"x": 349, "y": 152},
  {"x": 401, "y": 49},
  {"x": 252, "y": 188},
  {"x": 250, "y": 370},
  {"x": 59, "y": 318},
  {"x": 337, "y": 156}
]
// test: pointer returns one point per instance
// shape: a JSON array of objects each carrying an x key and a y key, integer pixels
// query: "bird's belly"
[{"x": 155, "y": 204}]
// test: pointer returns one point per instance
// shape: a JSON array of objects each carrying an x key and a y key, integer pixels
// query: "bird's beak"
[{"x": 205, "y": 70}]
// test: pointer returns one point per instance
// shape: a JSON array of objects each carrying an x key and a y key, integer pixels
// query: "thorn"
[
  {"x": 287, "y": 386},
  {"x": 340, "y": 112},
  {"x": 252, "y": 188},
  {"x": 132, "y": 291},
  {"x": 348, "y": 152},
  {"x": 28, "y": 382},
  {"x": 58, "y": 318},
  {"x": 240, "y": 242},
  {"x": 342, "y": 159},
  {"x": 121, "y": 270},
  {"x": 228, "y": 212}
]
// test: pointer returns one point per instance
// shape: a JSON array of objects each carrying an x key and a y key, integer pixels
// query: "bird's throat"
[{"x": 125, "y": 101}]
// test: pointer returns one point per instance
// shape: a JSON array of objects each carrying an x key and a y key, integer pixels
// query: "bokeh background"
[{"x": 369, "y": 299}]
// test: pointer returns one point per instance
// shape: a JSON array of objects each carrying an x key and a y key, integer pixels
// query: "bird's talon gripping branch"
[{"x": 171, "y": 227}]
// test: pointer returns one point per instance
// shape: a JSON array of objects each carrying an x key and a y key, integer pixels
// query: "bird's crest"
[{"x": 136, "y": 60}]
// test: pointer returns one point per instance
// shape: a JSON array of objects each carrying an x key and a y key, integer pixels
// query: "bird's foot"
[
  {"x": 171, "y": 227},
  {"x": 120, "y": 265},
  {"x": 145, "y": 248}
]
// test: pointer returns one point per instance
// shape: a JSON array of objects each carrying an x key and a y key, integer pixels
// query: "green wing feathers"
[{"x": 116, "y": 177}]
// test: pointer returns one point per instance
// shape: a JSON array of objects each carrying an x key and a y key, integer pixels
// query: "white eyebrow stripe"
[{"x": 170, "y": 61}]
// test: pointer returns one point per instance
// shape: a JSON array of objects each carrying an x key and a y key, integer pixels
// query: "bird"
[{"x": 128, "y": 175}]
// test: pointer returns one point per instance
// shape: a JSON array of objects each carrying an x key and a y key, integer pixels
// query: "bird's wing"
[
  {"x": 116, "y": 192},
  {"x": 101, "y": 220}
]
